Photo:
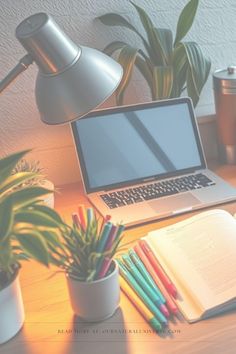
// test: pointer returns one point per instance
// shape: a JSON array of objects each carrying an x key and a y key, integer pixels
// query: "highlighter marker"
[
  {"x": 139, "y": 291},
  {"x": 169, "y": 301},
  {"x": 89, "y": 215},
  {"x": 104, "y": 237},
  {"x": 141, "y": 307},
  {"x": 139, "y": 264},
  {"x": 82, "y": 216},
  {"x": 142, "y": 282},
  {"x": 105, "y": 244},
  {"x": 158, "y": 269}
]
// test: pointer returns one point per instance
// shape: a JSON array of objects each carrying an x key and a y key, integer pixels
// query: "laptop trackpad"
[{"x": 174, "y": 203}]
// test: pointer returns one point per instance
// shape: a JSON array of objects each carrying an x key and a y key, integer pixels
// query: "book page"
[{"x": 201, "y": 253}]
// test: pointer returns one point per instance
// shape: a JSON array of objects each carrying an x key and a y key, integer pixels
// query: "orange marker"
[
  {"x": 169, "y": 302},
  {"x": 82, "y": 216},
  {"x": 158, "y": 269}
]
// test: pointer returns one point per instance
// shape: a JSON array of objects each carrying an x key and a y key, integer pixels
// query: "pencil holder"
[{"x": 95, "y": 300}]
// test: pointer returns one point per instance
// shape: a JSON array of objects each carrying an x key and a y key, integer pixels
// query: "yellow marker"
[
  {"x": 141, "y": 307},
  {"x": 82, "y": 216}
]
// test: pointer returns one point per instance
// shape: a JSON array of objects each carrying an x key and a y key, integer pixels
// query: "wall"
[{"x": 214, "y": 29}]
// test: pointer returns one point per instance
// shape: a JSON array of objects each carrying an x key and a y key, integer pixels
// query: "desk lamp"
[{"x": 72, "y": 80}]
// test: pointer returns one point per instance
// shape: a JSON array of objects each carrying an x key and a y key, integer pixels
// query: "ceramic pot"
[
  {"x": 96, "y": 300},
  {"x": 11, "y": 310}
]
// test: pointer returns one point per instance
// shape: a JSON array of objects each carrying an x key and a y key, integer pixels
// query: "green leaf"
[
  {"x": 27, "y": 196},
  {"x": 15, "y": 180},
  {"x": 113, "y": 47},
  {"x": 22, "y": 257},
  {"x": 34, "y": 245},
  {"x": 127, "y": 59},
  {"x": 163, "y": 81},
  {"x": 155, "y": 51},
  {"x": 186, "y": 19},
  {"x": 112, "y": 19},
  {"x": 8, "y": 163},
  {"x": 48, "y": 211},
  {"x": 35, "y": 217},
  {"x": 191, "y": 89},
  {"x": 6, "y": 218},
  {"x": 164, "y": 40},
  {"x": 5, "y": 255},
  {"x": 145, "y": 70},
  {"x": 180, "y": 66},
  {"x": 51, "y": 238},
  {"x": 198, "y": 68}
]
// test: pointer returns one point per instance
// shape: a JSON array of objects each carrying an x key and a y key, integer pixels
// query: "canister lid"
[{"x": 225, "y": 80}]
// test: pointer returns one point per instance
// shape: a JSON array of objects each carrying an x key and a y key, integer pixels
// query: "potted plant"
[
  {"x": 85, "y": 254},
  {"x": 169, "y": 65},
  {"x": 25, "y": 230},
  {"x": 39, "y": 178}
]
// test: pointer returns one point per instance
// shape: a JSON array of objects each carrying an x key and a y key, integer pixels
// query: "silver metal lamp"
[{"x": 72, "y": 80}]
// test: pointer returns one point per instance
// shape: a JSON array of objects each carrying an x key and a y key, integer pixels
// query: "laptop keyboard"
[{"x": 156, "y": 190}]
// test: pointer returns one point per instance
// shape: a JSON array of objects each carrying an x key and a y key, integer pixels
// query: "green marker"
[
  {"x": 104, "y": 237},
  {"x": 139, "y": 304},
  {"x": 139, "y": 264},
  {"x": 137, "y": 288},
  {"x": 144, "y": 284}
]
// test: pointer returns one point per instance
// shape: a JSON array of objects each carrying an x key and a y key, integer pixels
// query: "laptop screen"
[{"x": 131, "y": 144}]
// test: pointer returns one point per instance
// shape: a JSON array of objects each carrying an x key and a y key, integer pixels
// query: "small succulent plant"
[{"x": 33, "y": 167}]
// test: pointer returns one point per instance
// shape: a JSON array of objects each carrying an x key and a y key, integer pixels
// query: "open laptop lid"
[{"x": 133, "y": 144}]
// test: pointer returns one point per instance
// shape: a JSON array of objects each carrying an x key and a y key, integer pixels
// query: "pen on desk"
[
  {"x": 146, "y": 287},
  {"x": 141, "y": 307},
  {"x": 158, "y": 269},
  {"x": 169, "y": 302},
  {"x": 139, "y": 291},
  {"x": 139, "y": 264}
]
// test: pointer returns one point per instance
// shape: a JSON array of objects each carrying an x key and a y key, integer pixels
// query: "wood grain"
[{"x": 50, "y": 326}]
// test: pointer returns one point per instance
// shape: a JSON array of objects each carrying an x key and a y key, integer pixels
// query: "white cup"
[{"x": 96, "y": 300}]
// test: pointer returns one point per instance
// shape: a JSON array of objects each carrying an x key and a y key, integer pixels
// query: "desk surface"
[{"x": 50, "y": 326}]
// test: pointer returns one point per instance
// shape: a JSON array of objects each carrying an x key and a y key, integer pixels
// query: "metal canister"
[{"x": 225, "y": 101}]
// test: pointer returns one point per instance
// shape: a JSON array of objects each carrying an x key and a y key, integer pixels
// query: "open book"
[{"x": 199, "y": 256}]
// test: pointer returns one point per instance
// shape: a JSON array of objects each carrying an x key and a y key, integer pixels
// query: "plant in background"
[
  {"x": 26, "y": 226},
  {"x": 170, "y": 66},
  {"x": 83, "y": 252},
  {"x": 30, "y": 166}
]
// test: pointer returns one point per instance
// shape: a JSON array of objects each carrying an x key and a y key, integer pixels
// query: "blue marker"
[
  {"x": 139, "y": 264},
  {"x": 143, "y": 283}
]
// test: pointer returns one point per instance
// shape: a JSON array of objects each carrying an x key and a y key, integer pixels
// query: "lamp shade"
[{"x": 72, "y": 80}]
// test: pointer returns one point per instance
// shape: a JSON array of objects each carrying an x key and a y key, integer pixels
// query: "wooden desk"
[{"x": 51, "y": 328}]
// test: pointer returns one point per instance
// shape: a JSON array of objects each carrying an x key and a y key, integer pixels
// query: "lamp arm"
[{"x": 23, "y": 64}]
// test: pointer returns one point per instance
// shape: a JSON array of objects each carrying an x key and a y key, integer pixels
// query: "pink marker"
[{"x": 76, "y": 220}]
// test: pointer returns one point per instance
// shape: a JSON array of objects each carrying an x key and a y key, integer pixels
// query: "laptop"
[{"x": 145, "y": 162}]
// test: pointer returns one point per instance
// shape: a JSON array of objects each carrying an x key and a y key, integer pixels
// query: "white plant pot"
[
  {"x": 97, "y": 300},
  {"x": 12, "y": 313},
  {"x": 48, "y": 199}
]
